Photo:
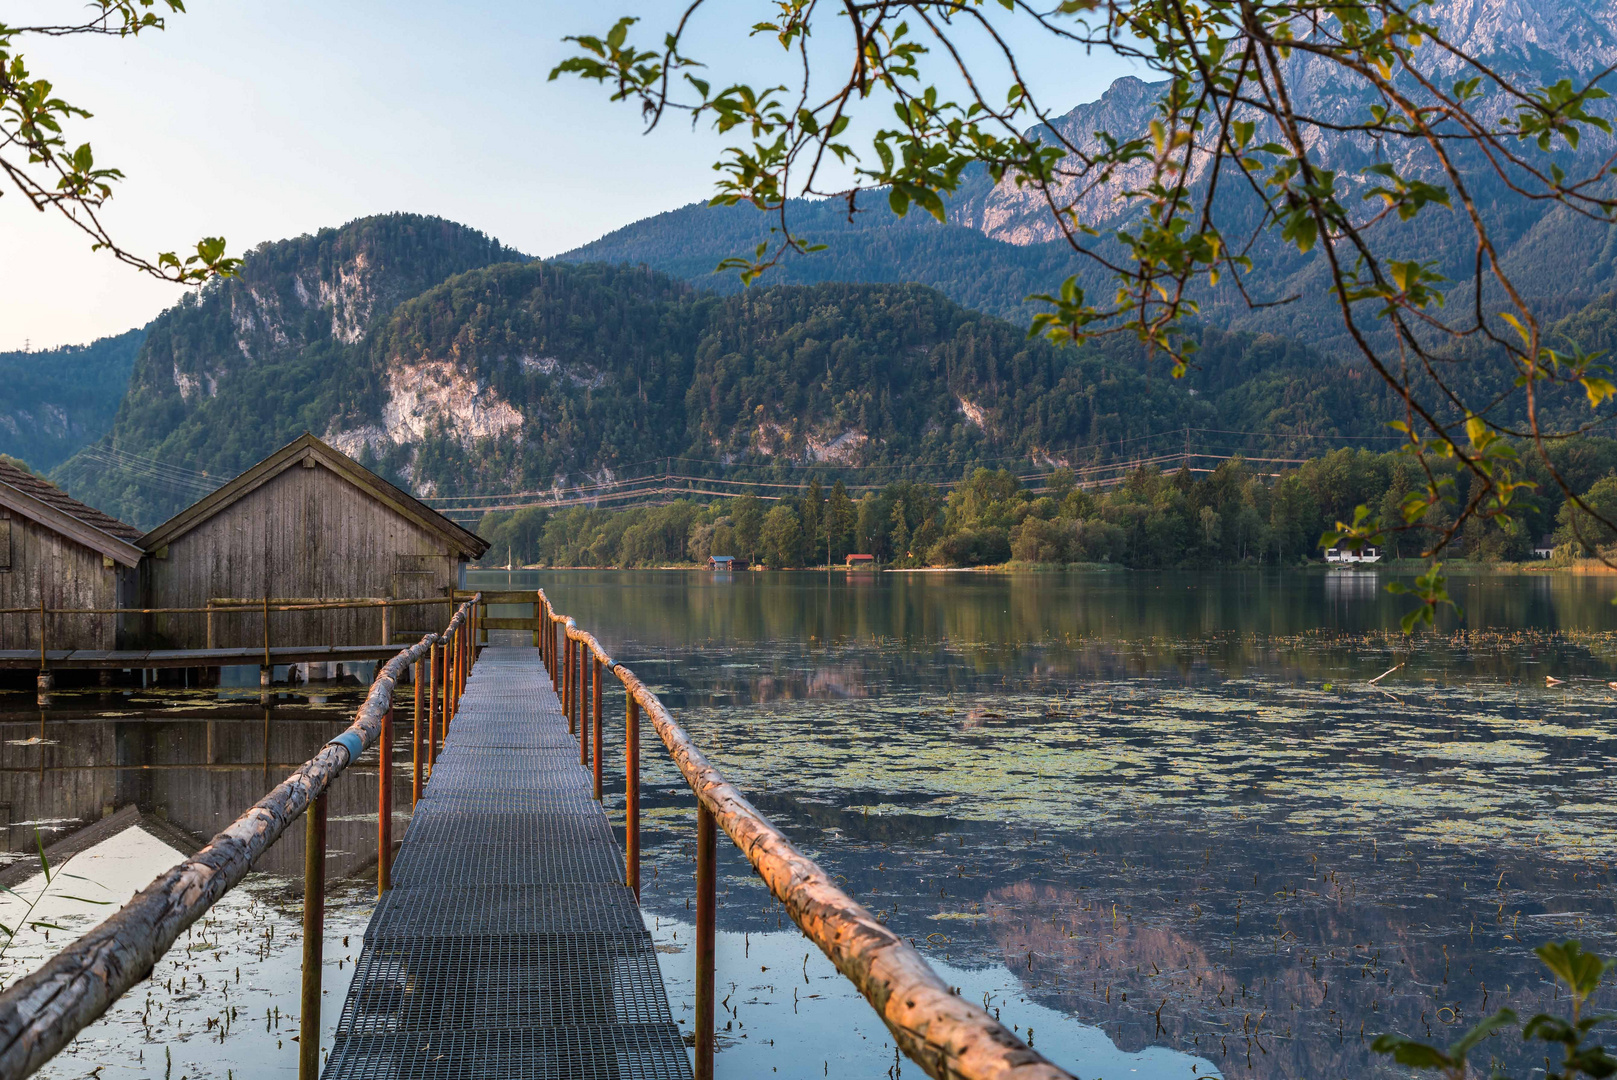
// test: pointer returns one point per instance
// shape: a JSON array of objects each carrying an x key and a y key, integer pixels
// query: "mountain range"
[{"x": 455, "y": 364}]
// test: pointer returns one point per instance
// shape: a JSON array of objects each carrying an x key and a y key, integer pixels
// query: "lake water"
[{"x": 1164, "y": 822}]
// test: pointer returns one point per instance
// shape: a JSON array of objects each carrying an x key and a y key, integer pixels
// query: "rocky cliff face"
[
  {"x": 1533, "y": 41},
  {"x": 228, "y": 375}
]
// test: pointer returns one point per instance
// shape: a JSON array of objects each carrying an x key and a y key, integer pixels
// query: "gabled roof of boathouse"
[{"x": 310, "y": 451}]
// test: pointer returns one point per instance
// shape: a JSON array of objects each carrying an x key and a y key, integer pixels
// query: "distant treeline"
[{"x": 1230, "y": 516}]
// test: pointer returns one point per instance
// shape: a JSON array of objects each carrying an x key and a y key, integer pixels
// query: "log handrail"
[
  {"x": 948, "y": 1037},
  {"x": 45, "y": 1010}
]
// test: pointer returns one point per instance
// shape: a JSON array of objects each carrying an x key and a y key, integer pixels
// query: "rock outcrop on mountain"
[{"x": 253, "y": 361}]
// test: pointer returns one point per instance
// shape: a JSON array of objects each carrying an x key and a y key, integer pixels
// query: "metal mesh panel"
[
  {"x": 570, "y": 848},
  {"x": 532, "y": 981},
  {"x": 614, "y": 1052},
  {"x": 508, "y": 945}
]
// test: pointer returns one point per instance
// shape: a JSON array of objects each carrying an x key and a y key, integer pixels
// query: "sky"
[{"x": 268, "y": 119}]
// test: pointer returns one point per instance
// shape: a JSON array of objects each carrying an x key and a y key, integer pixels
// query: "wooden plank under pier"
[{"x": 509, "y": 945}]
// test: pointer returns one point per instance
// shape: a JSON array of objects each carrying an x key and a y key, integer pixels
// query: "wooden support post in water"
[
  {"x": 415, "y": 740},
  {"x": 707, "y": 899},
  {"x": 387, "y": 623},
  {"x": 631, "y": 792},
  {"x": 384, "y": 805},
  {"x": 595, "y": 759},
  {"x": 314, "y": 930}
]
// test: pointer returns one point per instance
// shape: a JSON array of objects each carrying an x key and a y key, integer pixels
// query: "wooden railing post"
[
  {"x": 707, "y": 900},
  {"x": 387, "y": 624},
  {"x": 314, "y": 929},
  {"x": 631, "y": 791},
  {"x": 595, "y": 752},
  {"x": 415, "y": 740},
  {"x": 266, "y": 674},
  {"x": 384, "y": 805}
]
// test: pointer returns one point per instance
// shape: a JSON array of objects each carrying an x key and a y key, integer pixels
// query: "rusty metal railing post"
[
  {"x": 443, "y": 694},
  {"x": 707, "y": 899},
  {"x": 440, "y": 689},
  {"x": 453, "y": 681},
  {"x": 384, "y": 805},
  {"x": 631, "y": 791},
  {"x": 595, "y": 751},
  {"x": 569, "y": 677},
  {"x": 415, "y": 740},
  {"x": 583, "y": 704},
  {"x": 314, "y": 929}
]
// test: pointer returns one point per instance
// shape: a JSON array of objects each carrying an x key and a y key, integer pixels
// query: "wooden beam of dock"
[
  {"x": 508, "y": 945},
  {"x": 134, "y": 659}
]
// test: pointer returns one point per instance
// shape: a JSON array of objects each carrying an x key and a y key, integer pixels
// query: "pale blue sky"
[{"x": 263, "y": 120}]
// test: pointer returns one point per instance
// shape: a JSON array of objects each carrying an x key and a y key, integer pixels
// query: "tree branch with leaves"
[
  {"x": 1241, "y": 160},
  {"x": 55, "y": 176}
]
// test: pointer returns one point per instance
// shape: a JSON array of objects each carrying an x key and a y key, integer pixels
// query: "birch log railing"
[
  {"x": 948, "y": 1037},
  {"x": 42, "y": 1012}
]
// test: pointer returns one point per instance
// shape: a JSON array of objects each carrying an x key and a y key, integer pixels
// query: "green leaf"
[{"x": 1580, "y": 971}]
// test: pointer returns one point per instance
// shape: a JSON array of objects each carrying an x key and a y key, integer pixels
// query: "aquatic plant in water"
[{"x": 1580, "y": 973}]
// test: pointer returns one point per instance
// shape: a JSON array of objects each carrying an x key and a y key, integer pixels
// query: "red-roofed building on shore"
[
  {"x": 860, "y": 562},
  {"x": 57, "y": 552}
]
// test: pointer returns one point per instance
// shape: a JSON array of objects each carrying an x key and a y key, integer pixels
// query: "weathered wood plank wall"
[
  {"x": 41, "y": 563},
  {"x": 306, "y": 532}
]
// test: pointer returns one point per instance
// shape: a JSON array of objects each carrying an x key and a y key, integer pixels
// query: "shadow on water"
[{"x": 1173, "y": 807}]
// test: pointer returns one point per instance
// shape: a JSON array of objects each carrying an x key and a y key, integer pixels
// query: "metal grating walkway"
[{"x": 508, "y": 945}]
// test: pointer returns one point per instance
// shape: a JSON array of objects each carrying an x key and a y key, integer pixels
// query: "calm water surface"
[
  {"x": 1168, "y": 808},
  {"x": 1164, "y": 823}
]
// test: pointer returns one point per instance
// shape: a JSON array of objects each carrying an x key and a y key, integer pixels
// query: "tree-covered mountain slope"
[
  {"x": 456, "y": 368},
  {"x": 551, "y": 375},
  {"x": 1002, "y": 244},
  {"x": 224, "y": 377},
  {"x": 57, "y": 400},
  {"x": 522, "y": 376}
]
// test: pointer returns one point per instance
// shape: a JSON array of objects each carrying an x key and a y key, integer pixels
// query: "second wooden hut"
[{"x": 308, "y": 522}]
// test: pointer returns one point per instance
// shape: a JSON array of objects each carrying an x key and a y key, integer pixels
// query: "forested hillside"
[
  {"x": 549, "y": 375},
  {"x": 57, "y": 400},
  {"x": 1232, "y": 515},
  {"x": 224, "y": 378},
  {"x": 457, "y": 368}
]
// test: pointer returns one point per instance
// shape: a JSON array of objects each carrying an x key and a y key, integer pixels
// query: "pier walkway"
[{"x": 508, "y": 945}]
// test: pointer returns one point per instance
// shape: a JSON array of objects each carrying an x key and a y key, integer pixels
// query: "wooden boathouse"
[
  {"x": 307, "y": 523},
  {"x": 57, "y": 552}
]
